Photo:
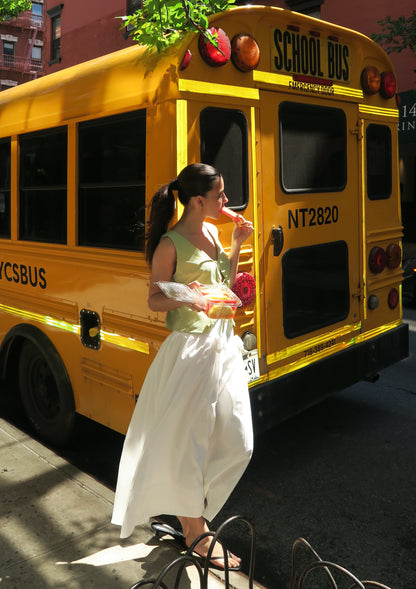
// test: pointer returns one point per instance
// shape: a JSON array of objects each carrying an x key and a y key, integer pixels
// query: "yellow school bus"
[{"x": 300, "y": 117}]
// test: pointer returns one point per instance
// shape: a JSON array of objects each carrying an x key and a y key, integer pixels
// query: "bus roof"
[{"x": 133, "y": 78}]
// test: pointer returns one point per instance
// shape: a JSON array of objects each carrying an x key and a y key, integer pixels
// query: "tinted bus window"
[
  {"x": 111, "y": 196},
  {"x": 378, "y": 162},
  {"x": 224, "y": 145},
  {"x": 5, "y": 188},
  {"x": 43, "y": 181},
  {"x": 313, "y": 148},
  {"x": 315, "y": 287}
]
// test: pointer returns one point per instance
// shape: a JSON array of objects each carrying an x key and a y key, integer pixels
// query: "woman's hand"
[
  {"x": 200, "y": 304},
  {"x": 242, "y": 230}
]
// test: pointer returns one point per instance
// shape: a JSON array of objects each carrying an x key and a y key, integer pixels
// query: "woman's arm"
[
  {"x": 240, "y": 233},
  {"x": 163, "y": 268}
]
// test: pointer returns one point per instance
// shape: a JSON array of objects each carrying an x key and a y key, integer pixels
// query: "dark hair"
[{"x": 194, "y": 180}]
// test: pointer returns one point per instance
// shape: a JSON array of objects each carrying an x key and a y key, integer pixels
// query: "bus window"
[
  {"x": 313, "y": 148},
  {"x": 315, "y": 287},
  {"x": 224, "y": 146},
  {"x": 112, "y": 165},
  {"x": 5, "y": 188},
  {"x": 43, "y": 178},
  {"x": 379, "y": 162}
]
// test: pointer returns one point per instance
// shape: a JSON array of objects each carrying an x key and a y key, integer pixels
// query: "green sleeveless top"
[{"x": 194, "y": 264}]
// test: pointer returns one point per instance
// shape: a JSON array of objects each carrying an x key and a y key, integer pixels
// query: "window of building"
[
  {"x": 56, "y": 39},
  {"x": 37, "y": 11},
  {"x": 43, "y": 184},
  {"x": 224, "y": 145},
  {"x": 55, "y": 16},
  {"x": 133, "y": 5},
  {"x": 36, "y": 52},
  {"x": 111, "y": 191},
  {"x": 309, "y": 7},
  {"x": 5, "y": 84},
  {"x": 317, "y": 137},
  {"x": 8, "y": 54}
]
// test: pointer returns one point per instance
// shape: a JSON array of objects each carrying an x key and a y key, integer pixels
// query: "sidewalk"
[{"x": 55, "y": 528}]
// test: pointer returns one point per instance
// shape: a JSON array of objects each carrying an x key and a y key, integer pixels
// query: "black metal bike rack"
[
  {"x": 189, "y": 559},
  {"x": 299, "y": 577}
]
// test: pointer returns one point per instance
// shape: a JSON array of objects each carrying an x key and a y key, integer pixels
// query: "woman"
[{"x": 190, "y": 437}]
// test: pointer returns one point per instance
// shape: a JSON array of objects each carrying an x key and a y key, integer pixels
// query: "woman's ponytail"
[
  {"x": 194, "y": 180},
  {"x": 162, "y": 208}
]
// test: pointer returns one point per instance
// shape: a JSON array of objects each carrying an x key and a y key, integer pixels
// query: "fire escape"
[{"x": 30, "y": 26}]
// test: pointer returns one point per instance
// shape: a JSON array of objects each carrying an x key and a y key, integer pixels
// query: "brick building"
[
  {"x": 22, "y": 40},
  {"x": 78, "y": 30}
]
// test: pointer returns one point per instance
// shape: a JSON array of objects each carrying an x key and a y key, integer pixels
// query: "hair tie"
[{"x": 173, "y": 185}]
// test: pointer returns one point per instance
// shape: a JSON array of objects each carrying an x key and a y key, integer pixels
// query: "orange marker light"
[
  {"x": 245, "y": 52},
  {"x": 370, "y": 80}
]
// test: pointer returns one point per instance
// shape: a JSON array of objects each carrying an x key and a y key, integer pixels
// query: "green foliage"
[
  {"x": 160, "y": 23},
  {"x": 397, "y": 35},
  {"x": 12, "y": 8}
]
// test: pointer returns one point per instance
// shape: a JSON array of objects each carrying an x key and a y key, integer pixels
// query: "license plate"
[{"x": 251, "y": 365}]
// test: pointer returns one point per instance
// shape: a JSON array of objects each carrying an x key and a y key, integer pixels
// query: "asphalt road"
[{"x": 342, "y": 475}]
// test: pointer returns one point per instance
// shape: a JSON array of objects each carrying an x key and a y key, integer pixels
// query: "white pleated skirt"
[{"x": 190, "y": 437}]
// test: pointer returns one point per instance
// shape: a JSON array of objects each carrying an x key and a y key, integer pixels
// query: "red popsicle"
[{"x": 232, "y": 215}]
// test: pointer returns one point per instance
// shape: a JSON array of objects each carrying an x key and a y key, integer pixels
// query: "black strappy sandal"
[
  {"x": 162, "y": 529},
  {"x": 166, "y": 530}
]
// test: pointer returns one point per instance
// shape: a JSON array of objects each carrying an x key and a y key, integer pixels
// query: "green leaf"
[
  {"x": 398, "y": 34},
  {"x": 12, "y": 8},
  {"x": 161, "y": 23}
]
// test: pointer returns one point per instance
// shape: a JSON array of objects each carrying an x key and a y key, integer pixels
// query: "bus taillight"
[
  {"x": 210, "y": 54},
  {"x": 377, "y": 260},
  {"x": 393, "y": 256},
  {"x": 185, "y": 61},
  {"x": 245, "y": 52},
  {"x": 370, "y": 80},
  {"x": 393, "y": 298},
  {"x": 388, "y": 85}
]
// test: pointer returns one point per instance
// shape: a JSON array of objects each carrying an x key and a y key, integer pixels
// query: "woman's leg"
[{"x": 193, "y": 527}]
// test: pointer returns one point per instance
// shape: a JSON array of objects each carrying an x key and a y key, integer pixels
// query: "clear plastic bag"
[
  {"x": 220, "y": 302},
  {"x": 179, "y": 292}
]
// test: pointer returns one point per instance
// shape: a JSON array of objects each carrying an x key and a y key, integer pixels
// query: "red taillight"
[
  {"x": 210, "y": 54},
  {"x": 377, "y": 260},
  {"x": 185, "y": 61},
  {"x": 393, "y": 298},
  {"x": 393, "y": 256},
  {"x": 388, "y": 85},
  {"x": 245, "y": 52},
  {"x": 370, "y": 80}
]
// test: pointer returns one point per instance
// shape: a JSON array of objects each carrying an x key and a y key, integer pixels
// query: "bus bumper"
[{"x": 277, "y": 400}]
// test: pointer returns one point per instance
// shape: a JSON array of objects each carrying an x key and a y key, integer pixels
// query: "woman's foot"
[{"x": 195, "y": 526}]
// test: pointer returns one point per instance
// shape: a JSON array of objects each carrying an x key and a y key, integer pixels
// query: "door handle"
[{"x": 278, "y": 240}]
